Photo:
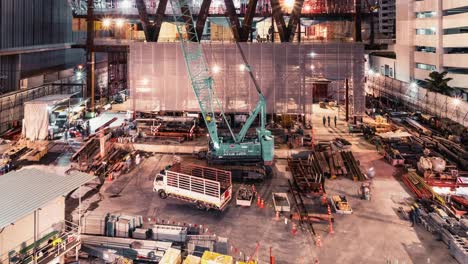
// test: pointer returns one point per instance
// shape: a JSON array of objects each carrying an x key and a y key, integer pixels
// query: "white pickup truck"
[{"x": 206, "y": 187}]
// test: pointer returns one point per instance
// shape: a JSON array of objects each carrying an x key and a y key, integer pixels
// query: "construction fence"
[
  {"x": 286, "y": 73},
  {"x": 416, "y": 98}
]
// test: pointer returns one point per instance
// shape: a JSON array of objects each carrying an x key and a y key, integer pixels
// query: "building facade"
[
  {"x": 387, "y": 18},
  {"x": 432, "y": 35}
]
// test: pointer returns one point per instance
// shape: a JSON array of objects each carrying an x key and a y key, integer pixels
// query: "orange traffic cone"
[
  {"x": 262, "y": 203},
  {"x": 324, "y": 199},
  {"x": 110, "y": 177},
  {"x": 330, "y": 224},
  {"x": 294, "y": 229},
  {"x": 258, "y": 201}
]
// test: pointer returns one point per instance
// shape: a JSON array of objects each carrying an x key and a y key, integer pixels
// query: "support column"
[
  {"x": 202, "y": 16},
  {"x": 277, "y": 16},
  {"x": 357, "y": 21},
  {"x": 233, "y": 19},
  {"x": 347, "y": 101},
  {"x": 294, "y": 19},
  {"x": 90, "y": 56},
  {"x": 248, "y": 20},
  {"x": 158, "y": 20}
]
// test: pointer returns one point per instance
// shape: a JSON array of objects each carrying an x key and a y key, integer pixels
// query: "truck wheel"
[
  {"x": 201, "y": 206},
  {"x": 162, "y": 194}
]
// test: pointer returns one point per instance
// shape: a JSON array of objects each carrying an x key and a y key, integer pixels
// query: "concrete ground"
[{"x": 374, "y": 233}]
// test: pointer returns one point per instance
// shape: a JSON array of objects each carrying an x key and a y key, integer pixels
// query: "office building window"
[
  {"x": 425, "y": 31},
  {"x": 425, "y": 49},
  {"x": 456, "y": 11},
  {"x": 456, "y": 70},
  {"x": 456, "y": 50},
  {"x": 427, "y": 67},
  {"x": 425, "y": 14},
  {"x": 459, "y": 30}
]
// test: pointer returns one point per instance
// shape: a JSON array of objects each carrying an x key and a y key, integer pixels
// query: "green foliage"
[{"x": 438, "y": 83}]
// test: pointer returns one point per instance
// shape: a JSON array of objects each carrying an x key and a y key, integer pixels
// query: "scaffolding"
[{"x": 286, "y": 73}]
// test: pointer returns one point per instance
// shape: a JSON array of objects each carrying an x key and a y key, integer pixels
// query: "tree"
[{"x": 438, "y": 83}]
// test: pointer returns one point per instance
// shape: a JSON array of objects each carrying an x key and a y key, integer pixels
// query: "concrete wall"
[
  {"x": 21, "y": 233},
  {"x": 383, "y": 65},
  {"x": 284, "y": 71},
  {"x": 404, "y": 39}
]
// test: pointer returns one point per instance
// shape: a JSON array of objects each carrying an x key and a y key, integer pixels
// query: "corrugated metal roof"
[{"x": 22, "y": 192}]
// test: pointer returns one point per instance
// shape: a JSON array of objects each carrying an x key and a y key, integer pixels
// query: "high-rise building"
[
  {"x": 432, "y": 35},
  {"x": 386, "y": 18}
]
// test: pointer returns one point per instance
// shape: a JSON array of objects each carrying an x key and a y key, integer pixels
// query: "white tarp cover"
[
  {"x": 36, "y": 115},
  {"x": 285, "y": 72}
]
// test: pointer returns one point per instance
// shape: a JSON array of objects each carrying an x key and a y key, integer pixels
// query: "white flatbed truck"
[{"x": 206, "y": 187}]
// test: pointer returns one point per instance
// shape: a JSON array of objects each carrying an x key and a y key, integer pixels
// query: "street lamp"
[
  {"x": 217, "y": 69},
  {"x": 289, "y": 3},
  {"x": 106, "y": 23},
  {"x": 119, "y": 22},
  {"x": 312, "y": 54},
  {"x": 242, "y": 67}
]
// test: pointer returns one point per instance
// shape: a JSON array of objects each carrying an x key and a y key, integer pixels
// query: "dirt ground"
[{"x": 374, "y": 233}]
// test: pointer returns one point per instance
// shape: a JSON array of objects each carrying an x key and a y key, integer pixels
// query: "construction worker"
[
  {"x": 328, "y": 117},
  {"x": 57, "y": 241},
  {"x": 335, "y": 120},
  {"x": 417, "y": 213},
  {"x": 412, "y": 216},
  {"x": 324, "y": 119}
]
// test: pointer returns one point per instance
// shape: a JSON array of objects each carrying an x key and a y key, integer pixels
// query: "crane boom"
[
  {"x": 200, "y": 78},
  {"x": 237, "y": 149}
]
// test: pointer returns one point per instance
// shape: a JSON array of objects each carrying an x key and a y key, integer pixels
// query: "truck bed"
[
  {"x": 221, "y": 176},
  {"x": 209, "y": 186}
]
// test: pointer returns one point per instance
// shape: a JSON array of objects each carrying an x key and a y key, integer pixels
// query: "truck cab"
[{"x": 158, "y": 183}]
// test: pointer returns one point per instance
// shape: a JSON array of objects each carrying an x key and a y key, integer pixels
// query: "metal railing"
[
  {"x": 44, "y": 250},
  {"x": 11, "y": 109}
]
